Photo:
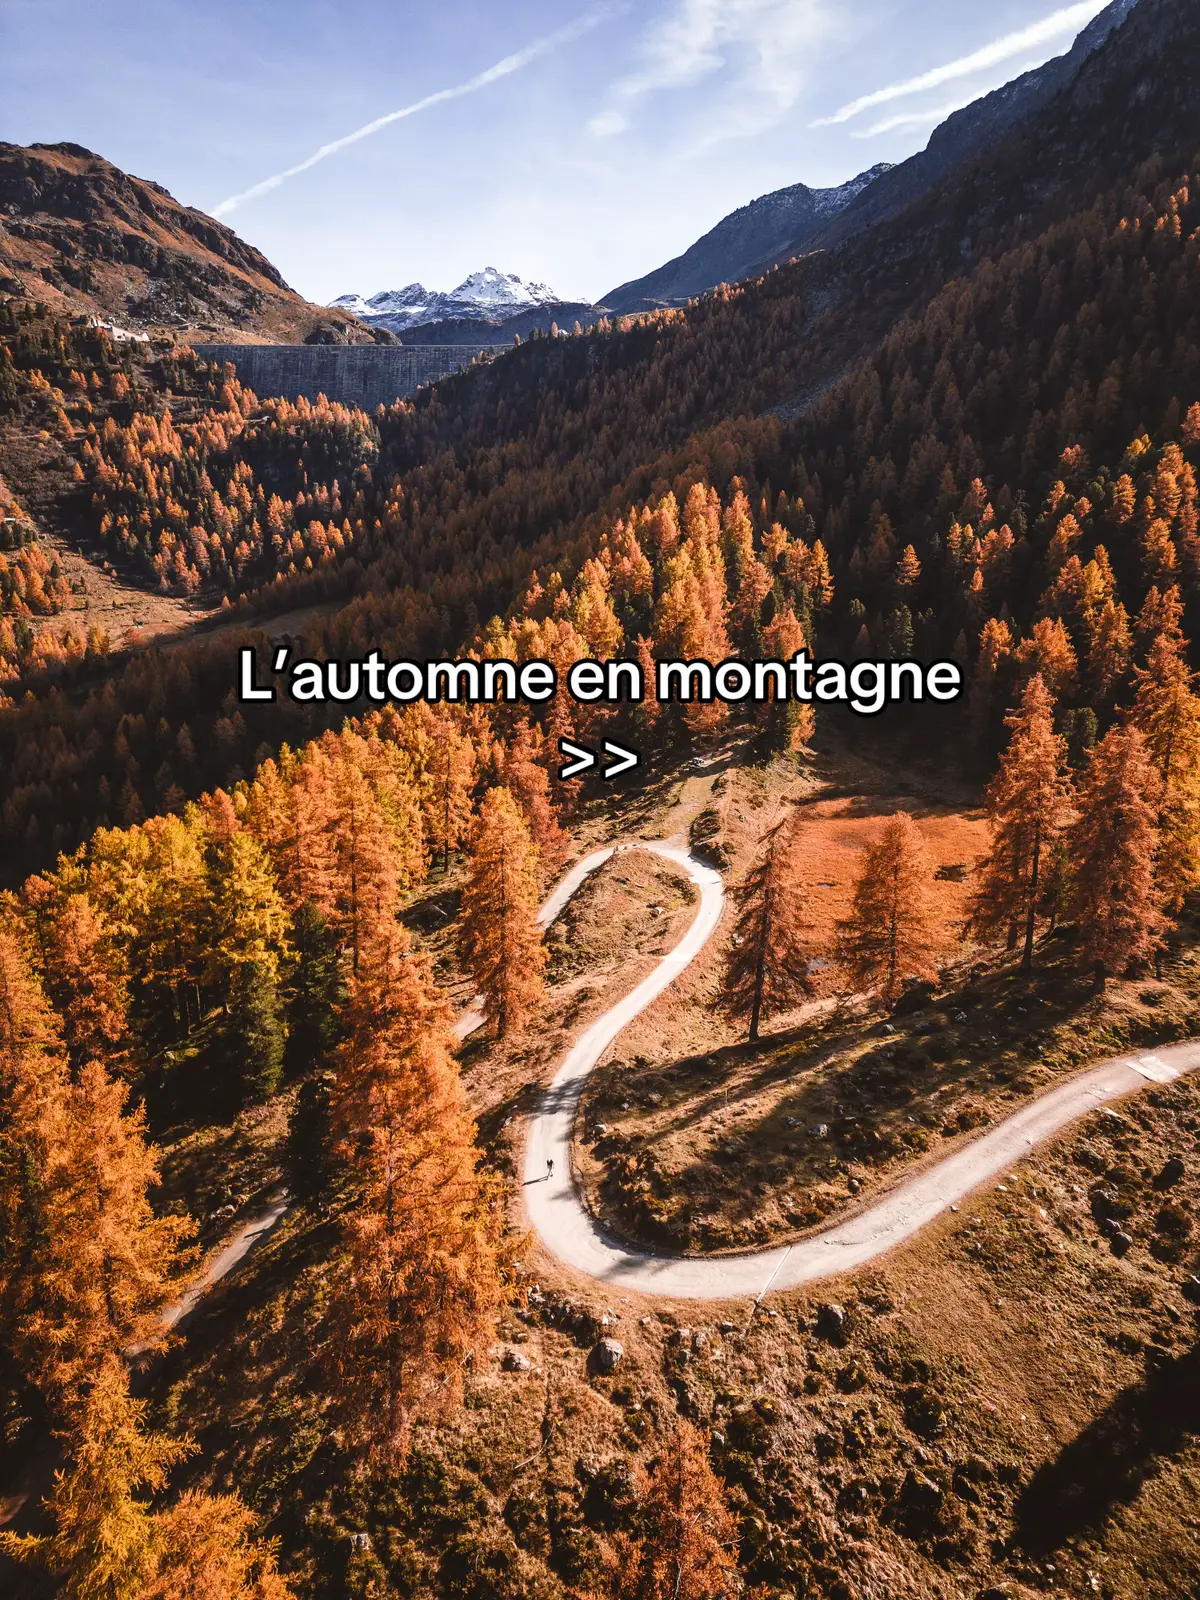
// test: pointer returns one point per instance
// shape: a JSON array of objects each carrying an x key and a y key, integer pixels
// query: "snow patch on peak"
[{"x": 494, "y": 288}]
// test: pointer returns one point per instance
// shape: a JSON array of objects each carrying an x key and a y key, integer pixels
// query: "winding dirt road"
[{"x": 556, "y": 1209}]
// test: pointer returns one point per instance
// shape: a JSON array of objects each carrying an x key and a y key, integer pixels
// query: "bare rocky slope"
[{"x": 88, "y": 239}]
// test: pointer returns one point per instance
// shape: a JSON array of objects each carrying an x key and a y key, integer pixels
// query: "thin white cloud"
[
  {"x": 935, "y": 114},
  {"x": 481, "y": 80},
  {"x": 1068, "y": 19},
  {"x": 913, "y": 119},
  {"x": 767, "y": 45},
  {"x": 607, "y": 123}
]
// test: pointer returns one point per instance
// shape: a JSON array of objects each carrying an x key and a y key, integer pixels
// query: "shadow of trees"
[{"x": 1105, "y": 1467}]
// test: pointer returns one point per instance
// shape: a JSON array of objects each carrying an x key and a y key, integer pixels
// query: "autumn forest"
[{"x": 284, "y": 986}]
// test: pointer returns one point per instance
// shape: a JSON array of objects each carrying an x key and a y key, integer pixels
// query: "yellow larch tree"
[{"x": 108, "y": 1543}]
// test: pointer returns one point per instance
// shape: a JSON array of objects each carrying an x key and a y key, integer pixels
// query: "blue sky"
[{"x": 581, "y": 144}]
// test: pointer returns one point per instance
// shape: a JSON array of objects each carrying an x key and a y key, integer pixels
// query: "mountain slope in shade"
[
  {"x": 740, "y": 241},
  {"x": 87, "y": 238},
  {"x": 963, "y": 137}
]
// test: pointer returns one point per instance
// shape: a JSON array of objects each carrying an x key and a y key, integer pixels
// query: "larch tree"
[
  {"x": 249, "y": 941},
  {"x": 207, "y": 1545},
  {"x": 450, "y": 778},
  {"x": 108, "y": 1543},
  {"x": 685, "y": 1543},
  {"x": 1029, "y": 808},
  {"x": 1049, "y": 654},
  {"x": 366, "y": 874},
  {"x": 34, "y": 1089},
  {"x": 166, "y": 957},
  {"x": 106, "y": 1263},
  {"x": 501, "y": 936},
  {"x": 421, "y": 1285},
  {"x": 766, "y": 963},
  {"x": 102, "y": 1546},
  {"x": 788, "y": 724},
  {"x": 1166, "y": 711},
  {"x": 690, "y": 619},
  {"x": 521, "y": 768},
  {"x": 83, "y": 972},
  {"x": 891, "y": 934},
  {"x": 1115, "y": 897}
]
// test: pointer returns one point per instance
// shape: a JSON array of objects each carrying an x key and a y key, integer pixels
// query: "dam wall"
[{"x": 366, "y": 375}]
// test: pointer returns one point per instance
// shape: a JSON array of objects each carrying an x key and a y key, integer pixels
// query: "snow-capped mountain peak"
[
  {"x": 493, "y": 288},
  {"x": 482, "y": 296}
]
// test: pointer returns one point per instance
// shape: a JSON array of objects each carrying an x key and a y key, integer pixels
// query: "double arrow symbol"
[{"x": 585, "y": 759}]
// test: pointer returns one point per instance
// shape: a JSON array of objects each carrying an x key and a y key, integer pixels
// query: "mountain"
[
  {"x": 964, "y": 136},
  {"x": 740, "y": 242},
  {"x": 88, "y": 239},
  {"x": 795, "y": 221},
  {"x": 501, "y": 302}
]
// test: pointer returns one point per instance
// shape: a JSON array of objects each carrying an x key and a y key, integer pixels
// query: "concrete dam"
[{"x": 366, "y": 375}]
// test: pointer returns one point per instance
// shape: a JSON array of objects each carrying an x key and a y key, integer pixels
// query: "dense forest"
[{"x": 974, "y": 450}]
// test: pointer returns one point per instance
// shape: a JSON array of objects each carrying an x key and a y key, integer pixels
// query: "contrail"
[
  {"x": 990, "y": 55},
  {"x": 492, "y": 74},
  {"x": 913, "y": 119}
]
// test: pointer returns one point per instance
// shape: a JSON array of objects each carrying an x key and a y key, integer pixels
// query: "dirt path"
[
  {"x": 231, "y": 1254},
  {"x": 556, "y": 1210},
  {"x": 555, "y": 1206}
]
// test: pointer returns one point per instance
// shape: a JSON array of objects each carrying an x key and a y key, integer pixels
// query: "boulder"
[
  {"x": 514, "y": 1361},
  {"x": 1173, "y": 1170},
  {"x": 608, "y": 1355},
  {"x": 1190, "y": 1288},
  {"x": 831, "y": 1323},
  {"x": 1121, "y": 1243}
]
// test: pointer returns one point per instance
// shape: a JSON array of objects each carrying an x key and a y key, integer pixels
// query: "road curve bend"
[
  {"x": 564, "y": 1224},
  {"x": 557, "y": 1212}
]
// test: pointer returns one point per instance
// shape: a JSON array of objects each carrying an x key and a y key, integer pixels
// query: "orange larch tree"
[
  {"x": 772, "y": 942},
  {"x": 421, "y": 1284},
  {"x": 106, "y": 1263},
  {"x": 501, "y": 936},
  {"x": 891, "y": 934},
  {"x": 82, "y": 966},
  {"x": 788, "y": 724},
  {"x": 1115, "y": 897},
  {"x": 450, "y": 778},
  {"x": 1166, "y": 711},
  {"x": 685, "y": 1543},
  {"x": 1029, "y": 807},
  {"x": 521, "y": 768},
  {"x": 34, "y": 1090}
]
